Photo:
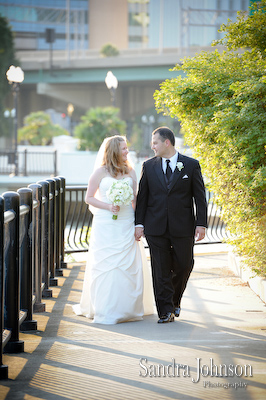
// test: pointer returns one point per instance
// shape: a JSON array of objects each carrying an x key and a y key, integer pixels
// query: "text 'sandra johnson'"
[{"x": 204, "y": 370}]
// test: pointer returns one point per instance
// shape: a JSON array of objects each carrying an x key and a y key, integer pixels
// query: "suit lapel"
[
  {"x": 159, "y": 171},
  {"x": 176, "y": 173}
]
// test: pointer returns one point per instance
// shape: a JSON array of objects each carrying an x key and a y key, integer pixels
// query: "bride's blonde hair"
[{"x": 112, "y": 157}]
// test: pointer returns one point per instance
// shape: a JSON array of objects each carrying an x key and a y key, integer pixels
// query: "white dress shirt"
[{"x": 172, "y": 163}]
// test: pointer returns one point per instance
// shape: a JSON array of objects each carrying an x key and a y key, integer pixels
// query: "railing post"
[
  {"x": 52, "y": 280},
  {"x": 62, "y": 220},
  {"x": 3, "y": 368},
  {"x": 55, "y": 162},
  {"x": 57, "y": 233},
  {"x": 25, "y": 162},
  {"x": 12, "y": 281},
  {"x": 37, "y": 248},
  {"x": 45, "y": 204},
  {"x": 26, "y": 265}
]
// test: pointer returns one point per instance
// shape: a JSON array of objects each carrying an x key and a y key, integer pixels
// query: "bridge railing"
[
  {"x": 79, "y": 218},
  {"x": 29, "y": 163},
  {"x": 32, "y": 222},
  {"x": 216, "y": 232}
]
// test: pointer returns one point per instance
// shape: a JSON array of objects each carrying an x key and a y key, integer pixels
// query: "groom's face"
[{"x": 158, "y": 146}]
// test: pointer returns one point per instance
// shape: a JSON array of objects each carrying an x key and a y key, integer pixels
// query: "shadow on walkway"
[{"x": 222, "y": 324}]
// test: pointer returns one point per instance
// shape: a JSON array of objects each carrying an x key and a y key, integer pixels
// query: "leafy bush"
[
  {"x": 97, "y": 124},
  {"x": 39, "y": 130},
  {"x": 222, "y": 108},
  {"x": 108, "y": 50}
]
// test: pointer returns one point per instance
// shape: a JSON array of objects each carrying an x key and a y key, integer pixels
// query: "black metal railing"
[
  {"x": 79, "y": 218},
  {"x": 216, "y": 232},
  {"x": 32, "y": 223},
  {"x": 29, "y": 163}
]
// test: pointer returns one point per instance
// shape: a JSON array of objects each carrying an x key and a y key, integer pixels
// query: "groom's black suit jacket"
[{"x": 181, "y": 206}]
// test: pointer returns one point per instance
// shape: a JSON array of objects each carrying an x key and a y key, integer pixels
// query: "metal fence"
[
  {"x": 29, "y": 163},
  {"x": 79, "y": 218},
  {"x": 32, "y": 222},
  {"x": 216, "y": 232}
]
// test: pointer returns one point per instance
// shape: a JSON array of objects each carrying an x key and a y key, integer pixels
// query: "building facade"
[
  {"x": 59, "y": 44},
  {"x": 89, "y": 24}
]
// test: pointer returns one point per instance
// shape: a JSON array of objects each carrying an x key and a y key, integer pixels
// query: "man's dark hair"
[{"x": 165, "y": 133}]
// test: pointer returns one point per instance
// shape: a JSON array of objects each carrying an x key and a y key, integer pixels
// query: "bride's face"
[{"x": 124, "y": 150}]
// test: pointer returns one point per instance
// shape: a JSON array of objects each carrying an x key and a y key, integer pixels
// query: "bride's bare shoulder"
[
  {"x": 99, "y": 173},
  {"x": 101, "y": 170}
]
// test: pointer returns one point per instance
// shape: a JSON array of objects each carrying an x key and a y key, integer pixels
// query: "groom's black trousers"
[{"x": 172, "y": 262}]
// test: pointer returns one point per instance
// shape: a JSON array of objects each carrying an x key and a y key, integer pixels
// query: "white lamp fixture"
[
  {"x": 111, "y": 83},
  {"x": 15, "y": 75},
  {"x": 70, "y": 110}
]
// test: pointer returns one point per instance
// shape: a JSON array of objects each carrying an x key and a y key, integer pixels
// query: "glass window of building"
[
  {"x": 183, "y": 23},
  {"x": 30, "y": 19}
]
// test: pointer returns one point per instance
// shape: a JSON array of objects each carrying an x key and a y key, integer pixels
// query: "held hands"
[
  {"x": 139, "y": 232},
  {"x": 200, "y": 233}
]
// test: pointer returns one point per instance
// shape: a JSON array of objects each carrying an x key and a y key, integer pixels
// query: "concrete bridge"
[{"x": 53, "y": 81}]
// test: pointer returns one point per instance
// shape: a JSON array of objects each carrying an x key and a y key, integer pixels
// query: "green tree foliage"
[
  {"x": 7, "y": 58},
  {"x": 136, "y": 139},
  {"x": 97, "y": 124},
  {"x": 39, "y": 130},
  {"x": 246, "y": 32},
  {"x": 221, "y": 104},
  {"x": 108, "y": 50}
]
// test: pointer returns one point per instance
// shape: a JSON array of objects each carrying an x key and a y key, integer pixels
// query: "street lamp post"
[
  {"x": 148, "y": 122},
  {"x": 70, "y": 110},
  {"x": 111, "y": 83},
  {"x": 15, "y": 76},
  {"x": 9, "y": 115}
]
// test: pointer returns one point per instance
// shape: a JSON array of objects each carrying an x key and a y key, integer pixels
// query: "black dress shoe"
[
  {"x": 177, "y": 311},
  {"x": 169, "y": 317}
]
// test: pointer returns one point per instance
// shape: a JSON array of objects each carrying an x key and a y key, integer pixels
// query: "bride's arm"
[
  {"x": 93, "y": 186},
  {"x": 134, "y": 178}
]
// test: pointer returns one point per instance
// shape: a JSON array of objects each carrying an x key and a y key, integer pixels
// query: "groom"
[{"x": 171, "y": 212}]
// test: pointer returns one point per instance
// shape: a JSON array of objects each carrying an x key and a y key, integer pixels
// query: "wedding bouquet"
[{"x": 120, "y": 192}]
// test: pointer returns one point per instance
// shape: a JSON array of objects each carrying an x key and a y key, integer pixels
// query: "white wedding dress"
[{"x": 117, "y": 283}]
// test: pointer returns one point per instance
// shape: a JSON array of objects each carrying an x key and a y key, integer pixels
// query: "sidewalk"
[{"x": 222, "y": 323}]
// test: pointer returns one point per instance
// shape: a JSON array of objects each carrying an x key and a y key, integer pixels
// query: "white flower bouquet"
[{"x": 120, "y": 193}]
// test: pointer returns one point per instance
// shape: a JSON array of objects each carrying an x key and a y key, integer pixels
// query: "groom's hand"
[
  {"x": 139, "y": 231},
  {"x": 200, "y": 233}
]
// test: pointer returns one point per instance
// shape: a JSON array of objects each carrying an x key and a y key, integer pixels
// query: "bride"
[{"x": 117, "y": 283}]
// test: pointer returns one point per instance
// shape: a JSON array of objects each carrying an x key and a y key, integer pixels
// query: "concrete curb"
[
  {"x": 256, "y": 283},
  {"x": 202, "y": 249}
]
